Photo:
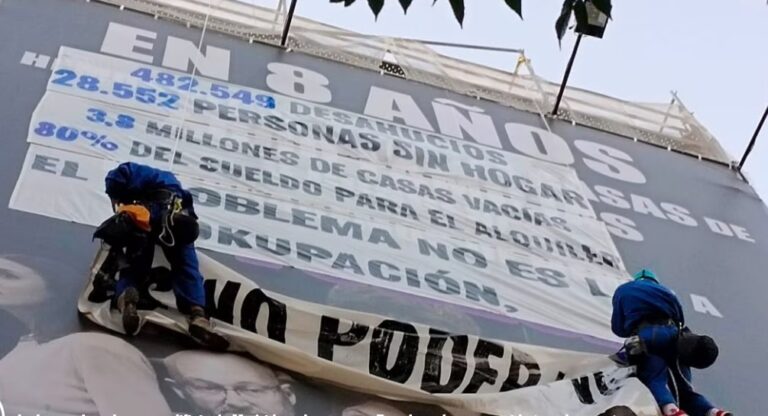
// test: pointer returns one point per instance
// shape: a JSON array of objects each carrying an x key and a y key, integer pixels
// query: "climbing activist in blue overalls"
[
  {"x": 650, "y": 316},
  {"x": 156, "y": 201}
]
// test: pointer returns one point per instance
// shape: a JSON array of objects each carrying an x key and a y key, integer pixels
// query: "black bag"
[
  {"x": 120, "y": 231},
  {"x": 179, "y": 228},
  {"x": 694, "y": 350}
]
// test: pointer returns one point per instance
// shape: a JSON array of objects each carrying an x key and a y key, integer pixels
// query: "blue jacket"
[
  {"x": 643, "y": 299},
  {"x": 132, "y": 181}
]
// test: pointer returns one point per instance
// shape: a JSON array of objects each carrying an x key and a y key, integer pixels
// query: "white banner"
[
  {"x": 394, "y": 359},
  {"x": 417, "y": 260},
  {"x": 107, "y": 80},
  {"x": 320, "y": 179},
  {"x": 297, "y": 184}
]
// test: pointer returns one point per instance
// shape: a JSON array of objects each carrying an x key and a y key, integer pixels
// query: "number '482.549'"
[{"x": 191, "y": 84}]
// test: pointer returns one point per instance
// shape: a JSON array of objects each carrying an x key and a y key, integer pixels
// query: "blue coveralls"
[
  {"x": 646, "y": 300},
  {"x": 131, "y": 182}
]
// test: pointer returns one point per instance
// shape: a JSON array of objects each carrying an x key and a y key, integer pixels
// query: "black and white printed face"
[
  {"x": 225, "y": 384},
  {"x": 19, "y": 284}
]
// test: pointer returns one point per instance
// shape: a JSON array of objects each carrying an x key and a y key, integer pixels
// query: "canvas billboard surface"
[{"x": 332, "y": 185}]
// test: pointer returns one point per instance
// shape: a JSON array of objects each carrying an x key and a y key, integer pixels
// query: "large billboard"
[{"x": 329, "y": 193}]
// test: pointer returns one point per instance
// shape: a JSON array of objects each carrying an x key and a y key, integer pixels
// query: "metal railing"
[{"x": 669, "y": 125}]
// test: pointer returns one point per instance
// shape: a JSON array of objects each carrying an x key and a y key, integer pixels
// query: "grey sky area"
[{"x": 711, "y": 52}]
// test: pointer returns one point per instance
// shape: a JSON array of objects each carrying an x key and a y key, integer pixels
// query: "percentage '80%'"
[{"x": 70, "y": 134}]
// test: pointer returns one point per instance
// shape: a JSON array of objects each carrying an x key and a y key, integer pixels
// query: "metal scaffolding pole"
[
  {"x": 566, "y": 75},
  {"x": 287, "y": 25},
  {"x": 754, "y": 138}
]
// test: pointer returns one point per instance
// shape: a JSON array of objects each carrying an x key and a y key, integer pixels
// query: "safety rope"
[
  {"x": 174, "y": 207},
  {"x": 674, "y": 385}
]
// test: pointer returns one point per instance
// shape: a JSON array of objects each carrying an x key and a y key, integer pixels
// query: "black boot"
[
  {"x": 127, "y": 305},
  {"x": 200, "y": 330}
]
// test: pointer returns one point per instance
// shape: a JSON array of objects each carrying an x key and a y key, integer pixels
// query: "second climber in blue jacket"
[
  {"x": 650, "y": 315},
  {"x": 172, "y": 224}
]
